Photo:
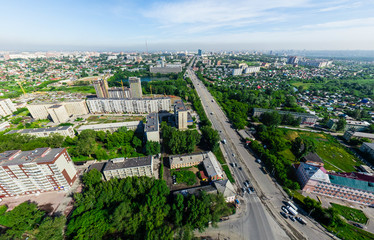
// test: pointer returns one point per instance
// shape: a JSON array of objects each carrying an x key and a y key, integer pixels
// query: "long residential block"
[
  {"x": 128, "y": 167},
  {"x": 112, "y": 127},
  {"x": 44, "y": 132},
  {"x": 7, "y": 107},
  {"x": 141, "y": 105},
  {"x": 39, "y": 170}
]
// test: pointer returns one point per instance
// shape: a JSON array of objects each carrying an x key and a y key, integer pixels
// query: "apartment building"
[
  {"x": 165, "y": 69},
  {"x": 128, "y": 167},
  {"x": 348, "y": 135},
  {"x": 45, "y": 132},
  {"x": 112, "y": 127},
  {"x": 212, "y": 167},
  {"x": 304, "y": 117},
  {"x": 152, "y": 131},
  {"x": 39, "y": 170},
  {"x": 181, "y": 115},
  {"x": 135, "y": 87},
  {"x": 251, "y": 69},
  {"x": 368, "y": 148},
  {"x": 7, "y": 107},
  {"x": 187, "y": 160},
  {"x": 101, "y": 88},
  {"x": 144, "y": 105},
  {"x": 58, "y": 113},
  {"x": 356, "y": 126},
  {"x": 117, "y": 92}
]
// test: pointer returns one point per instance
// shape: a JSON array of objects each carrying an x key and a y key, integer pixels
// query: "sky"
[{"x": 121, "y": 25}]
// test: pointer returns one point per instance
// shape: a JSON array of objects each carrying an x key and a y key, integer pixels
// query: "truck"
[
  {"x": 289, "y": 203},
  {"x": 292, "y": 211}
]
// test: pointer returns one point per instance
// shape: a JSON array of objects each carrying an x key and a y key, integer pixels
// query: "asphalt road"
[{"x": 261, "y": 219}]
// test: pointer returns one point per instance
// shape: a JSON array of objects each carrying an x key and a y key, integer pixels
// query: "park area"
[
  {"x": 350, "y": 214},
  {"x": 334, "y": 155}
]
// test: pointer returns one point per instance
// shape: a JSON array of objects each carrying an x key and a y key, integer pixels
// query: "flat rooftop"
[
  {"x": 40, "y": 130},
  {"x": 109, "y": 125},
  {"x": 39, "y": 155},
  {"x": 152, "y": 123},
  {"x": 119, "y": 163},
  {"x": 179, "y": 106}
]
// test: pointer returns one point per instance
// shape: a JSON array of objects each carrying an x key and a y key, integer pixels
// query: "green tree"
[
  {"x": 271, "y": 119},
  {"x": 152, "y": 148},
  {"x": 341, "y": 124},
  {"x": 211, "y": 137}
]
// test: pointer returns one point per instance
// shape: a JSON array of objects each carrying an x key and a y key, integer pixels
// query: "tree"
[
  {"x": 341, "y": 124},
  {"x": 92, "y": 177},
  {"x": 211, "y": 137},
  {"x": 271, "y": 119},
  {"x": 152, "y": 148},
  {"x": 51, "y": 228}
]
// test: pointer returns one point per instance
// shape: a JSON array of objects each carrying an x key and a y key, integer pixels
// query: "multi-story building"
[
  {"x": 348, "y": 135},
  {"x": 181, "y": 115},
  {"x": 128, "y": 167},
  {"x": 353, "y": 187},
  {"x": 58, "y": 113},
  {"x": 356, "y": 126},
  {"x": 101, "y": 88},
  {"x": 187, "y": 160},
  {"x": 39, "y": 170},
  {"x": 292, "y": 60},
  {"x": 7, "y": 107},
  {"x": 251, "y": 69},
  {"x": 135, "y": 87},
  {"x": 144, "y": 105},
  {"x": 152, "y": 131},
  {"x": 237, "y": 71},
  {"x": 45, "y": 132},
  {"x": 166, "y": 69},
  {"x": 368, "y": 148},
  {"x": 117, "y": 92},
  {"x": 304, "y": 117},
  {"x": 72, "y": 108},
  {"x": 4, "y": 125},
  {"x": 212, "y": 167},
  {"x": 112, "y": 127}
]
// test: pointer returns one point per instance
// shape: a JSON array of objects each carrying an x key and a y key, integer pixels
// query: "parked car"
[
  {"x": 284, "y": 215},
  {"x": 284, "y": 209},
  {"x": 258, "y": 160},
  {"x": 174, "y": 178},
  {"x": 246, "y": 184},
  {"x": 249, "y": 190},
  {"x": 252, "y": 189},
  {"x": 292, "y": 218},
  {"x": 243, "y": 189}
]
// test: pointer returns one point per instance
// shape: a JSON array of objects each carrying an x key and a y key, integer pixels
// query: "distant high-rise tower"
[
  {"x": 135, "y": 87},
  {"x": 199, "y": 52},
  {"x": 101, "y": 88}
]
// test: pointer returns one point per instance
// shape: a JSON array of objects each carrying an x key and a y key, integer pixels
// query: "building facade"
[
  {"x": 368, "y": 148},
  {"x": 348, "y": 135},
  {"x": 188, "y": 160},
  {"x": 181, "y": 115},
  {"x": 128, "y": 167},
  {"x": 58, "y": 113},
  {"x": 101, "y": 88},
  {"x": 144, "y": 105},
  {"x": 39, "y": 170},
  {"x": 152, "y": 131},
  {"x": 7, "y": 107},
  {"x": 212, "y": 167},
  {"x": 135, "y": 87},
  {"x": 72, "y": 108},
  {"x": 166, "y": 69},
  {"x": 66, "y": 131}
]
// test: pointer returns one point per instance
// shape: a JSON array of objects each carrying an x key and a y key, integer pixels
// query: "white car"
[{"x": 258, "y": 160}]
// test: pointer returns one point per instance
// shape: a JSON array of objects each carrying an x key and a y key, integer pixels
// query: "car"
[
  {"x": 174, "y": 178},
  {"x": 246, "y": 184},
  {"x": 247, "y": 181},
  {"x": 258, "y": 160},
  {"x": 357, "y": 225},
  {"x": 248, "y": 191},
  {"x": 292, "y": 218},
  {"x": 243, "y": 189},
  {"x": 240, "y": 168},
  {"x": 233, "y": 154},
  {"x": 252, "y": 189},
  {"x": 284, "y": 209},
  {"x": 284, "y": 215}
]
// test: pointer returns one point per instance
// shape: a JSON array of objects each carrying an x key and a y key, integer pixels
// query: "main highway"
[{"x": 259, "y": 216}]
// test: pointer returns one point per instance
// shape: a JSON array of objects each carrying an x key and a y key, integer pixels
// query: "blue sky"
[{"x": 188, "y": 24}]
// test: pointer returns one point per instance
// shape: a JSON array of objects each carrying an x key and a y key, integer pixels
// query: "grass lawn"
[
  {"x": 329, "y": 149},
  {"x": 184, "y": 176},
  {"x": 349, "y": 232},
  {"x": 228, "y": 173},
  {"x": 351, "y": 214},
  {"x": 288, "y": 155},
  {"x": 219, "y": 156},
  {"x": 305, "y": 85}
]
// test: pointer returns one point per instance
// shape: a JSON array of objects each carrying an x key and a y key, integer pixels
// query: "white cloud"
[{"x": 359, "y": 22}]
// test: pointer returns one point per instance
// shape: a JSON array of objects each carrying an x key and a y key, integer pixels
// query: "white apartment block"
[
  {"x": 128, "y": 167},
  {"x": 152, "y": 131},
  {"x": 145, "y": 105},
  {"x": 58, "y": 113},
  {"x": 39, "y": 170},
  {"x": 251, "y": 70},
  {"x": 181, "y": 115},
  {"x": 7, "y": 107},
  {"x": 44, "y": 132}
]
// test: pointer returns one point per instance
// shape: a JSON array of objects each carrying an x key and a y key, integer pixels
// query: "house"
[
  {"x": 212, "y": 167},
  {"x": 226, "y": 189}
]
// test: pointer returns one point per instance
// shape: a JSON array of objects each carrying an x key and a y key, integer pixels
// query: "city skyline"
[{"x": 165, "y": 25}]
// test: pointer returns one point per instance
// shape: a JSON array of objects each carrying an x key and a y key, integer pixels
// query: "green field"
[
  {"x": 351, "y": 214},
  {"x": 288, "y": 155},
  {"x": 334, "y": 155},
  {"x": 228, "y": 173},
  {"x": 305, "y": 85},
  {"x": 184, "y": 176},
  {"x": 349, "y": 232}
]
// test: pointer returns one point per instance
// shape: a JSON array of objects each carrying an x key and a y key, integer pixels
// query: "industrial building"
[
  {"x": 304, "y": 117},
  {"x": 112, "y": 127},
  {"x": 45, "y": 132},
  {"x": 7, "y": 107},
  {"x": 181, "y": 115},
  {"x": 144, "y": 105},
  {"x": 128, "y": 167},
  {"x": 135, "y": 87},
  {"x": 152, "y": 131},
  {"x": 39, "y": 170}
]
